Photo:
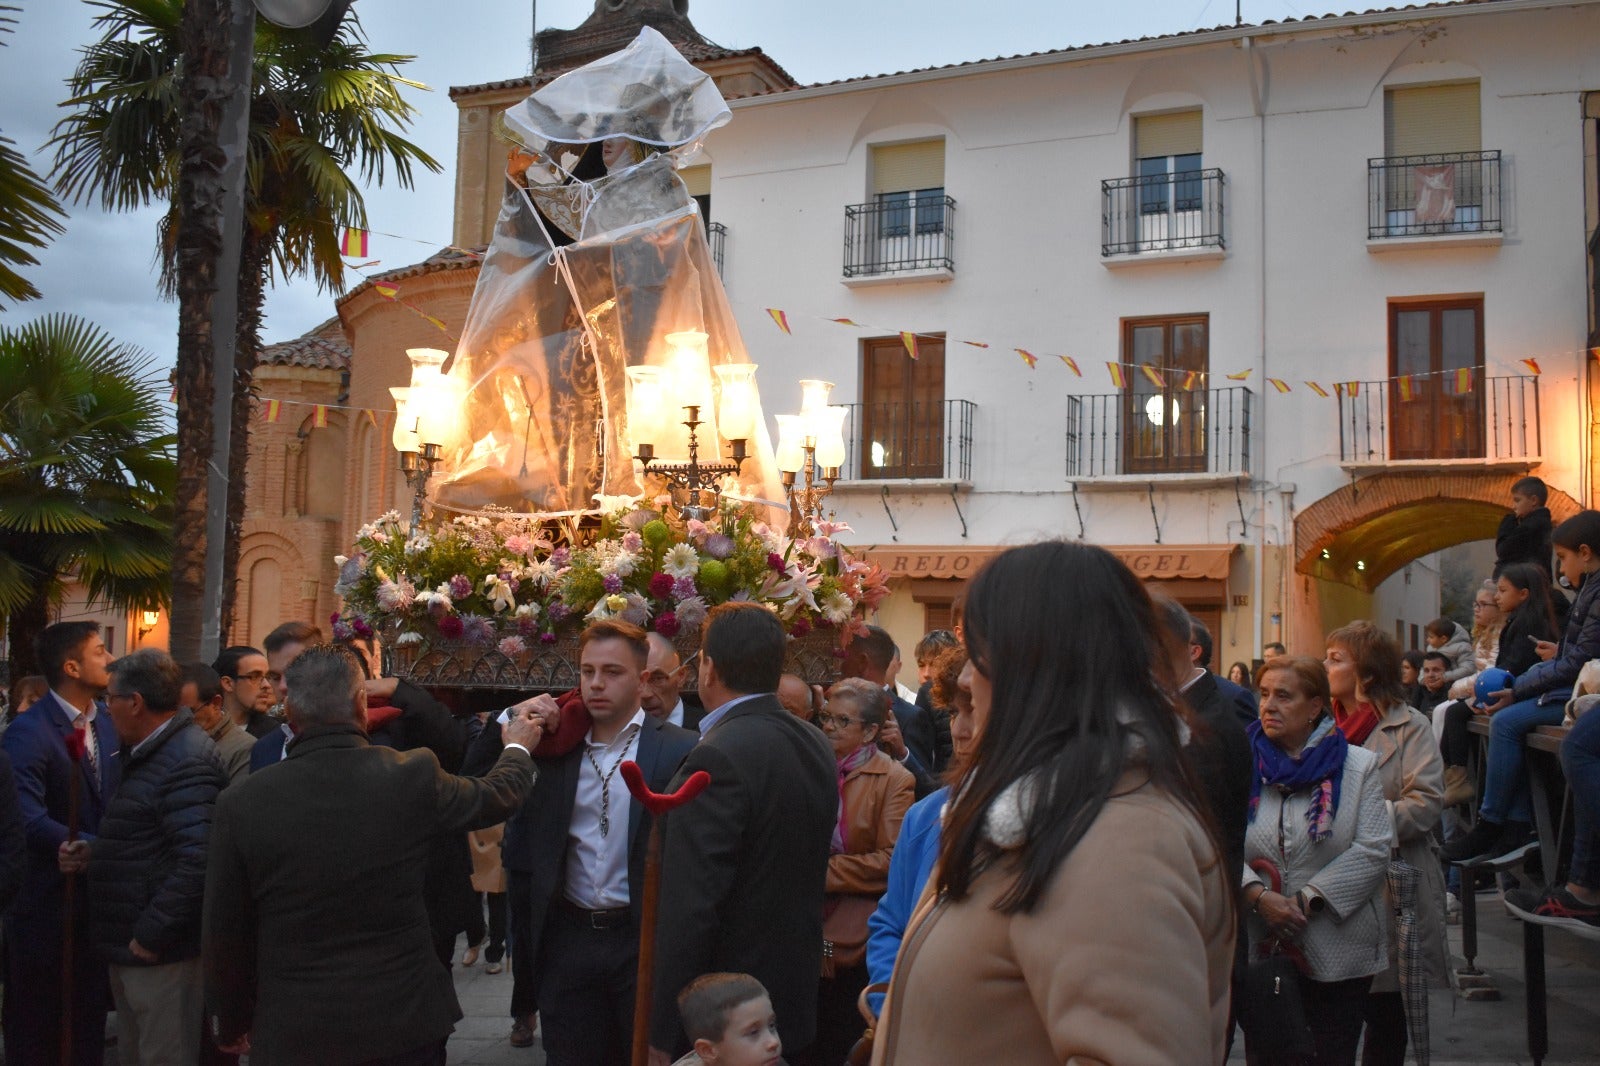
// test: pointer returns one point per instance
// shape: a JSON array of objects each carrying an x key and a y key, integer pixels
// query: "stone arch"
[{"x": 1369, "y": 529}]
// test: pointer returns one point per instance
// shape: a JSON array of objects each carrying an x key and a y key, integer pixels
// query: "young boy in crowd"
[
  {"x": 1454, "y": 643},
  {"x": 1524, "y": 535},
  {"x": 729, "y": 1018}
]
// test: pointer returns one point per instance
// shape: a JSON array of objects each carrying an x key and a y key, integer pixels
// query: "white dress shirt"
[
  {"x": 676, "y": 717},
  {"x": 597, "y": 864},
  {"x": 91, "y": 740}
]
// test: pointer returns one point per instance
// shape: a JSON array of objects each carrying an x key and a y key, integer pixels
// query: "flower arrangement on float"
[{"x": 516, "y": 582}]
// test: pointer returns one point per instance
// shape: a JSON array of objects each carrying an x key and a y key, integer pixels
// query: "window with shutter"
[
  {"x": 1166, "y": 150},
  {"x": 1432, "y": 119},
  {"x": 908, "y": 183}
]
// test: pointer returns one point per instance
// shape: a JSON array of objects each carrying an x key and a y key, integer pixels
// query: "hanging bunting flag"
[
  {"x": 1118, "y": 379},
  {"x": 1072, "y": 364},
  {"x": 1532, "y": 365},
  {"x": 979, "y": 344},
  {"x": 1318, "y": 389},
  {"x": 844, "y": 322},
  {"x": 436, "y": 321},
  {"x": 1027, "y": 357},
  {"x": 388, "y": 292},
  {"x": 1154, "y": 375},
  {"x": 174, "y": 397},
  {"x": 319, "y": 416},
  {"x": 1407, "y": 386},
  {"x": 1279, "y": 384},
  {"x": 372, "y": 416},
  {"x": 1190, "y": 380},
  {"x": 1240, "y": 376},
  {"x": 368, "y": 265},
  {"x": 271, "y": 411},
  {"x": 354, "y": 244},
  {"x": 1351, "y": 389},
  {"x": 1463, "y": 380},
  {"x": 910, "y": 341},
  {"x": 780, "y": 319}
]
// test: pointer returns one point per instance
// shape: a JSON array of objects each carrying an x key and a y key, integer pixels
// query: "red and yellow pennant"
[
  {"x": 841, "y": 321},
  {"x": 388, "y": 292},
  {"x": 271, "y": 410},
  {"x": 354, "y": 243},
  {"x": 1027, "y": 357},
  {"x": 174, "y": 397},
  {"x": 1152, "y": 375},
  {"x": 1461, "y": 381},
  {"x": 978, "y": 344},
  {"x": 1190, "y": 380},
  {"x": 1119, "y": 380},
  {"x": 1240, "y": 376},
  {"x": 910, "y": 341},
  {"x": 780, "y": 320},
  {"x": 1532, "y": 365},
  {"x": 1318, "y": 389},
  {"x": 1072, "y": 364},
  {"x": 1351, "y": 389},
  {"x": 1406, "y": 385},
  {"x": 319, "y": 416},
  {"x": 1279, "y": 384}
]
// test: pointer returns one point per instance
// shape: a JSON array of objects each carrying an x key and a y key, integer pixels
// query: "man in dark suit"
[
  {"x": 745, "y": 863},
  {"x": 575, "y": 855},
  {"x": 911, "y": 739},
  {"x": 316, "y": 940},
  {"x": 662, "y": 695},
  {"x": 74, "y": 660},
  {"x": 1246, "y": 708}
]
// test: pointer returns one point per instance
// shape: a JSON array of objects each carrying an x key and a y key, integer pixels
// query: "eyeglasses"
[
  {"x": 255, "y": 677},
  {"x": 274, "y": 677},
  {"x": 824, "y": 719},
  {"x": 1483, "y": 606},
  {"x": 661, "y": 677}
]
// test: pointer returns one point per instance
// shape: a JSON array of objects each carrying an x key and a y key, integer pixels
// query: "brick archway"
[{"x": 1366, "y": 531}]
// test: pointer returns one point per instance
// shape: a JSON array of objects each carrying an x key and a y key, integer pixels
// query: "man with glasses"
[
  {"x": 661, "y": 695},
  {"x": 283, "y": 646},
  {"x": 203, "y": 697},
  {"x": 246, "y": 695},
  {"x": 147, "y": 862}
]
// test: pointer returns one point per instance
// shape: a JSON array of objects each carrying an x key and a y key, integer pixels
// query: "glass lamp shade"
[
  {"x": 829, "y": 428},
  {"x": 791, "y": 439},
  {"x": 405, "y": 437},
  {"x": 814, "y": 395},
  {"x": 646, "y": 400},
  {"x": 736, "y": 412},
  {"x": 425, "y": 363},
  {"x": 438, "y": 402},
  {"x": 687, "y": 382}
]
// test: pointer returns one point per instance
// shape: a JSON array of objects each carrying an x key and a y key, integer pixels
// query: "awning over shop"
[{"x": 1204, "y": 562}]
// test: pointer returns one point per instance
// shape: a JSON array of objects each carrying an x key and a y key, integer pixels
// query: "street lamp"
[
  {"x": 427, "y": 422},
  {"x": 811, "y": 442}
]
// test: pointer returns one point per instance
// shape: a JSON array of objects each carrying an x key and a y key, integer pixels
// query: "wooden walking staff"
[
  {"x": 77, "y": 751},
  {"x": 658, "y": 805}
]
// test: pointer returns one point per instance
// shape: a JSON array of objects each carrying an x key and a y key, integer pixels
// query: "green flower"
[
  {"x": 713, "y": 576},
  {"x": 656, "y": 533}
]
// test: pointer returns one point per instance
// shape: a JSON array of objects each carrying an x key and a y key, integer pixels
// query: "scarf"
[
  {"x": 1320, "y": 766},
  {"x": 1356, "y": 725},
  {"x": 847, "y": 766}
]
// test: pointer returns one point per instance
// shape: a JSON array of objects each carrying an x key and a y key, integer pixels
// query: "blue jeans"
[
  {"x": 1580, "y": 757},
  {"x": 1505, "y": 785}
]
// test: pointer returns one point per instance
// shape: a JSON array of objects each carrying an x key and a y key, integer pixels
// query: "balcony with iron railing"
[
  {"x": 1163, "y": 215},
  {"x": 909, "y": 441},
  {"x": 717, "y": 237},
  {"x": 1203, "y": 435},
  {"x": 1429, "y": 419},
  {"x": 1451, "y": 197},
  {"x": 900, "y": 237}
]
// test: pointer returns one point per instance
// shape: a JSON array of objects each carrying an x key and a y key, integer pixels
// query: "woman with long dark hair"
[{"x": 1081, "y": 909}]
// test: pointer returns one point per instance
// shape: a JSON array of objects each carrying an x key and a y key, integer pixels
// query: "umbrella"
[{"x": 1403, "y": 890}]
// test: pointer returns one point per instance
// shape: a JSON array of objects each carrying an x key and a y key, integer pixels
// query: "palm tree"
[
  {"x": 319, "y": 115},
  {"x": 86, "y": 475},
  {"x": 29, "y": 215}
]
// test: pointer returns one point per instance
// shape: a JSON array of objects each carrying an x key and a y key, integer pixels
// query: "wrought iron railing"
[
  {"x": 899, "y": 233},
  {"x": 1594, "y": 281},
  {"x": 917, "y": 439},
  {"x": 1422, "y": 195},
  {"x": 1432, "y": 417},
  {"x": 1204, "y": 431},
  {"x": 717, "y": 237},
  {"x": 1161, "y": 212}
]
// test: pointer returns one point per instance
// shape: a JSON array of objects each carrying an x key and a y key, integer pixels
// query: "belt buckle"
[{"x": 597, "y": 920}]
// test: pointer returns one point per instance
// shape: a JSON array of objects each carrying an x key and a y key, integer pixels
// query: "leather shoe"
[
  {"x": 521, "y": 1034},
  {"x": 471, "y": 956}
]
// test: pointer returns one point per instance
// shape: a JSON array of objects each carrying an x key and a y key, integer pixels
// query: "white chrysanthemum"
[
  {"x": 681, "y": 561},
  {"x": 836, "y": 607},
  {"x": 406, "y": 639}
]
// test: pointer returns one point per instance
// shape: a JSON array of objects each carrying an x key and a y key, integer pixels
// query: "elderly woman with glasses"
[{"x": 875, "y": 792}]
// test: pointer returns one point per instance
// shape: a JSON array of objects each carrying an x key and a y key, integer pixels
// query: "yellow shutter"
[
  {"x": 908, "y": 167},
  {"x": 1162, "y": 135},
  {"x": 1431, "y": 119},
  {"x": 698, "y": 179}
]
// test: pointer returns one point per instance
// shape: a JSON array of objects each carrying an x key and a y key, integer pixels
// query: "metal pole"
[{"x": 233, "y": 141}]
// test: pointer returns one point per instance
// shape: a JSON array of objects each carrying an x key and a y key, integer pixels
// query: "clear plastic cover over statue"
[{"x": 598, "y": 255}]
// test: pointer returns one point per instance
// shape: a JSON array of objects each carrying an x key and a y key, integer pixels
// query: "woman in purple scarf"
[{"x": 1316, "y": 851}]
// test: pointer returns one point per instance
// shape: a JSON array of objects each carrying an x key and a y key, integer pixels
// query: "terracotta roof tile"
[
  {"x": 323, "y": 348},
  {"x": 450, "y": 258}
]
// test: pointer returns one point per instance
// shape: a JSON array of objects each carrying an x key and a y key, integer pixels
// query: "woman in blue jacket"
[{"x": 1536, "y": 698}]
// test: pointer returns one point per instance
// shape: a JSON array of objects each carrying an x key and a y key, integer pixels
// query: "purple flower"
[
  {"x": 342, "y": 629},
  {"x": 477, "y": 629},
  {"x": 799, "y": 628},
  {"x": 359, "y": 624},
  {"x": 560, "y": 557},
  {"x": 527, "y": 627},
  {"x": 547, "y": 638},
  {"x": 613, "y": 583},
  {"x": 718, "y": 545},
  {"x": 637, "y": 611},
  {"x": 661, "y": 585},
  {"x": 559, "y": 612},
  {"x": 460, "y": 587},
  {"x": 683, "y": 588},
  {"x": 775, "y": 561},
  {"x": 667, "y": 625},
  {"x": 451, "y": 627}
]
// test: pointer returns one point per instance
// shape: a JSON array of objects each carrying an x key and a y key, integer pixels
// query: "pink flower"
[
  {"x": 632, "y": 542},
  {"x": 512, "y": 647},
  {"x": 799, "y": 627},
  {"x": 775, "y": 561},
  {"x": 661, "y": 585},
  {"x": 451, "y": 627},
  {"x": 547, "y": 638},
  {"x": 517, "y": 544},
  {"x": 667, "y": 625},
  {"x": 718, "y": 545},
  {"x": 460, "y": 587}
]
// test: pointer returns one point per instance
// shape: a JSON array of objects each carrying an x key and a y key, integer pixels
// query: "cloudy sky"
[{"x": 102, "y": 267}]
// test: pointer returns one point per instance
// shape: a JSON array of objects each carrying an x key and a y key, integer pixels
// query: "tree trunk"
[
  {"x": 252, "y": 296},
  {"x": 23, "y": 625},
  {"x": 202, "y": 94}
]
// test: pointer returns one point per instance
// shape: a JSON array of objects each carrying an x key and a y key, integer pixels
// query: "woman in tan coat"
[
  {"x": 1363, "y": 665},
  {"x": 874, "y": 794},
  {"x": 1080, "y": 911}
]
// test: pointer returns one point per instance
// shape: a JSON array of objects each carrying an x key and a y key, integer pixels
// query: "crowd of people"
[{"x": 1070, "y": 841}]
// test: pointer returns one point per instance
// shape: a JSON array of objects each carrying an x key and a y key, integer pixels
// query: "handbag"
[
  {"x": 861, "y": 1050},
  {"x": 844, "y": 932},
  {"x": 1270, "y": 1008}
]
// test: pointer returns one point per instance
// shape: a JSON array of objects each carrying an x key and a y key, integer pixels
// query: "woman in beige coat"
[
  {"x": 1363, "y": 664},
  {"x": 1080, "y": 911}
]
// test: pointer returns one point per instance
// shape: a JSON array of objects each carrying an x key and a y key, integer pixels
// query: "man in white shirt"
[
  {"x": 662, "y": 693},
  {"x": 574, "y": 856}
]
